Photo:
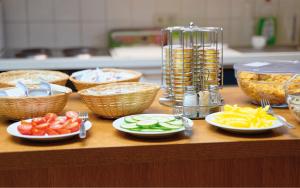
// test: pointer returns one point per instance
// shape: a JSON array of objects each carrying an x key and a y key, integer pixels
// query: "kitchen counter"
[
  {"x": 211, "y": 157},
  {"x": 147, "y": 65}
]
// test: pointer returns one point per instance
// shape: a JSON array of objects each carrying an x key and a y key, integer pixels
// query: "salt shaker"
[
  {"x": 190, "y": 102},
  {"x": 214, "y": 95}
]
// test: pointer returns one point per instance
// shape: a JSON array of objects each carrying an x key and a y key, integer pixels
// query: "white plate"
[
  {"x": 13, "y": 130},
  {"x": 209, "y": 119},
  {"x": 117, "y": 125}
]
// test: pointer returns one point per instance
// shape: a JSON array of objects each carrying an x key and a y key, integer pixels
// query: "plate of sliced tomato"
[{"x": 49, "y": 127}]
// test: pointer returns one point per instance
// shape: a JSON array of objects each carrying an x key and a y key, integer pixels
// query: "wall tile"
[
  {"x": 168, "y": 7},
  {"x": 94, "y": 34},
  {"x": 264, "y": 8},
  {"x": 67, "y": 34},
  {"x": 221, "y": 23},
  {"x": 201, "y": 22},
  {"x": 93, "y": 10},
  {"x": 119, "y": 10},
  {"x": 86, "y": 22},
  {"x": 15, "y": 10},
  {"x": 118, "y": 25},
  {"x": 16, "y": 35},
  {"x": 297, "y": 7},
  {"x": 41, "y": 35},
  {"x": 66, "y": 10},
  {"x": 40, "y": 10},
  {"x": 288, "y": 12},
  {"x": 240, "y": 32},
  {"x": 218, "y": 9},
  {"x": 2, "y": 28},
  {"x": 195, "y": 9},
  {"x": 142, "y": 13},
  {"x": 242, "y": 8},
  {"x": 166, "y": 16}
]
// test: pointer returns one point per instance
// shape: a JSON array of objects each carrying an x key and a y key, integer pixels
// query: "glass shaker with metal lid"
[{"x": 190, "y": 102}]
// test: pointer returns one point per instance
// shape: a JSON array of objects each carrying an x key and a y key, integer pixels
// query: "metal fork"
[
  {"x": 266, "y": 102},
  {"x": 188, "y": 130},
  {"x": 84, "y": 116}
]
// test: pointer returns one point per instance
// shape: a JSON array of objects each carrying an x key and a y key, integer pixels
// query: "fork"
[
  {"x": 188, "y": 130},
  {"x": 266, "y": 102},
  {"x": 84, "y": 116}
]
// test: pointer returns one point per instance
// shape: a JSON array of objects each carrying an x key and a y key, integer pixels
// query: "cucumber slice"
[
  {"x": 129, "y": 119},
  {"x": 152, "y": 130},
  {"x": 147, "y": 123},
  {"x": 171, "y": 118},
  {"x": 169, "y": 126},
  {"x": 129, "y": 125},
  {"x": 139, "y": 117},
  {"x": 176, "y": 122},
  {"x": 161, "y": 119},
  {"x": 135, "y": 129}
]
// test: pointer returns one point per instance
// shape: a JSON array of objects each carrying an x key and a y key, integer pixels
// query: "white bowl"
[{"x": 258, "y": 42}]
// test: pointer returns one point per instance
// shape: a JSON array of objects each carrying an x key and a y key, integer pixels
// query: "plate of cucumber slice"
[{"x": 150, "y": 125}]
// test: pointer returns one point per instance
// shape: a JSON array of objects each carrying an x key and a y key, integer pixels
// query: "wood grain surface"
[{"x": 211, "y": 157}]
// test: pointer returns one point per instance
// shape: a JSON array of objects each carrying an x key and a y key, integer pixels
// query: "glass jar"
[
  {"x": 265, "y": 80},
  {"x": 292, "y": 93}
]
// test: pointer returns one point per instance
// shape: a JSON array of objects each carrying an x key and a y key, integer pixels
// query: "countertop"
[
  {"x": 110, "y": 158},
  {"x": 230, "y": 58},
  {"x": 103, "y": 135}
]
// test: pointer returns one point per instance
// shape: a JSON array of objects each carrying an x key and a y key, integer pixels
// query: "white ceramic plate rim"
[
  {"x": 117, "y": 125},
  {"x": 209, "y": 119},
  {"x": 13, "y": 130}
]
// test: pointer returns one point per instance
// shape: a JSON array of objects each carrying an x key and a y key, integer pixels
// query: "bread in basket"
[
  {"x": 119, "y": 99},
  {"x": 10, "y": 78},
  {"x": 133, "y": 76},
  {"x": 21, "y": 107}
]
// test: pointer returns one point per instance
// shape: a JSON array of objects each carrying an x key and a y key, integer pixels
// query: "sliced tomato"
[
  {"x": 63, "y": 131},
  {"x": 61, "y": 119},
  {"x": 68, "y": 122},
  {"x": 55, "y": 122},
  {"x": 23, "y": 122},
  {"x": 73, "y": 127},
  {"x": 42, "y": 126},
  {"x": 55, "y": 126},
  {"x": 51, "y": 132},
  {"x": 72, "y": 115},
  {"x": 25, "y": 129},
  {"x": 37, "y": 121},
  {"x": 50, "y": 117},
  {"x": 78, "y": 120},
  {"x": 38, "y": 132}
]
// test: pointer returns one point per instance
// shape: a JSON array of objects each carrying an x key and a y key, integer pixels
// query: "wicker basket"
[
  {"x": 6, "y": 77},
  {"x": 16, "y": 108},
  {"x": 117, "y": 105},
  {"x": 80, "y": 85}
]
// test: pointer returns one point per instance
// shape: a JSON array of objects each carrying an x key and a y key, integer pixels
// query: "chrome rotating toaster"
[{"x": 192, "y": 69}]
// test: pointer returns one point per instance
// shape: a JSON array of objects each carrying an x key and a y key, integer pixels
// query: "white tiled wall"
[{"x": 67, "y": 23}]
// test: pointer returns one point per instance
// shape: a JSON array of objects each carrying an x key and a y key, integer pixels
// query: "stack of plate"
[
  {"x": 207, "y": 65},
  {"x": 182, "y": 59},
  {"x": 187, "y": 66}
]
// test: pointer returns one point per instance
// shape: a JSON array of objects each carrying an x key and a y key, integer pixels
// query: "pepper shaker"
[
  {"x": 214, "y": 95},
  {"x": 190, "y": 102}
]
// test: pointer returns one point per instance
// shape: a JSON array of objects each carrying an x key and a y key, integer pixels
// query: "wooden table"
[{"x": 211, "y": 157}]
